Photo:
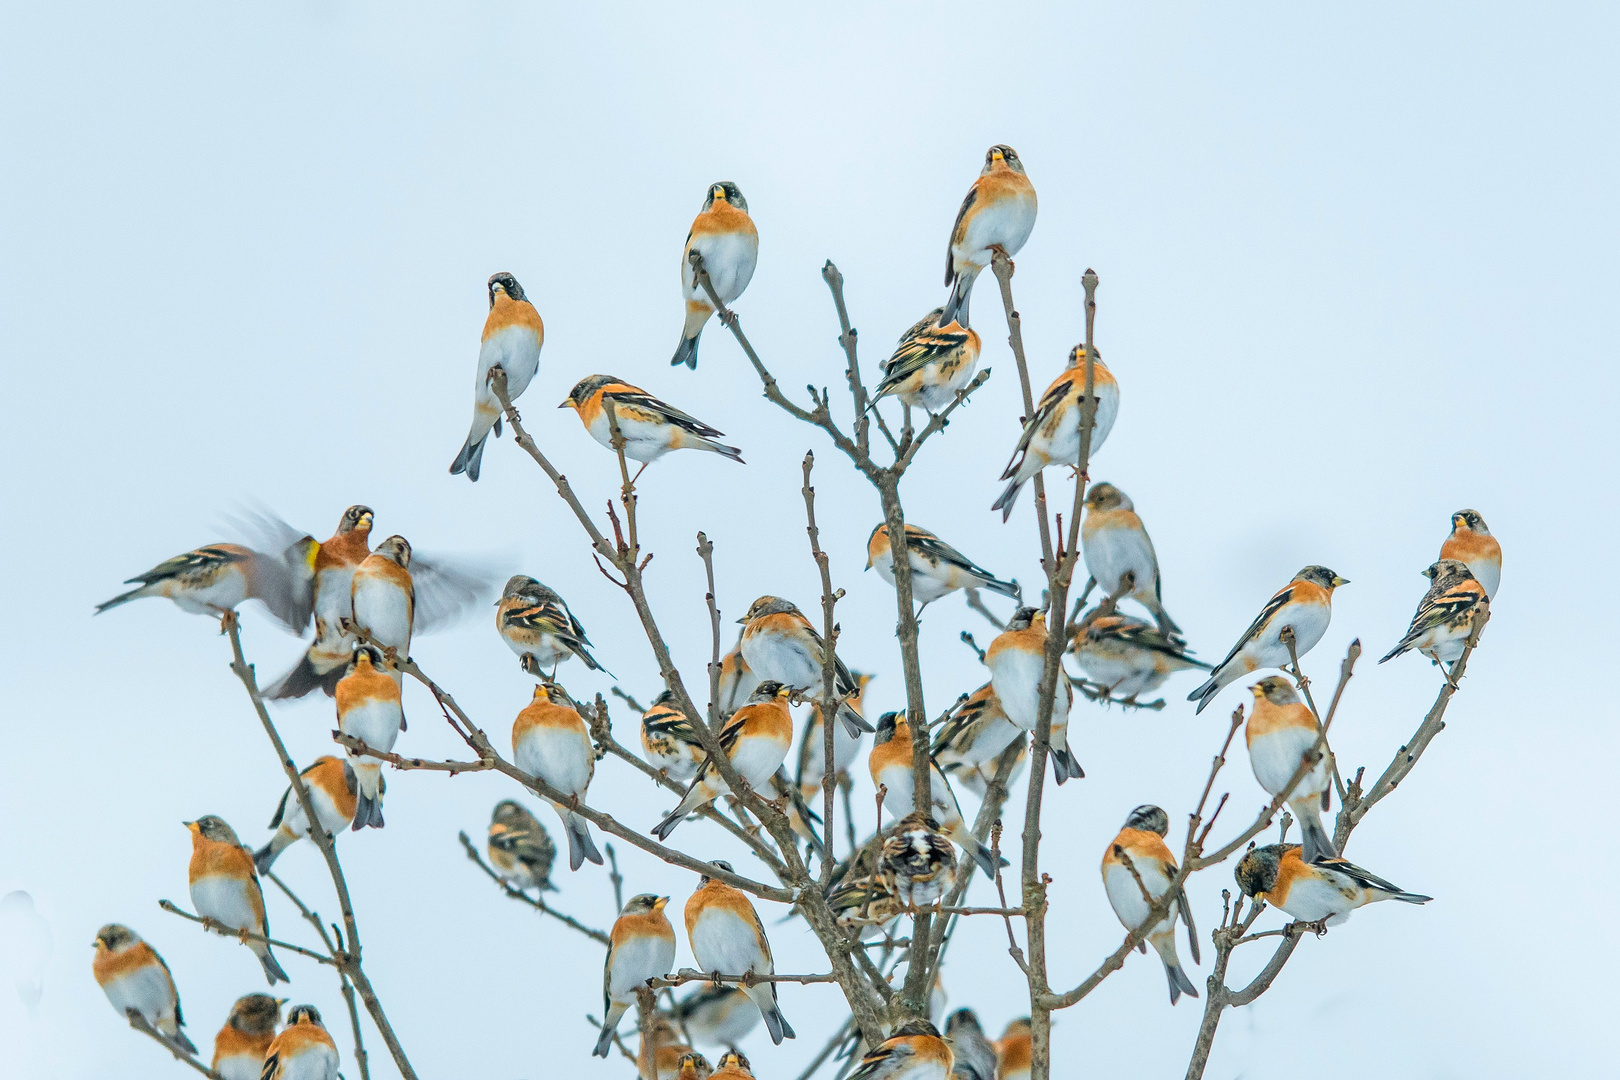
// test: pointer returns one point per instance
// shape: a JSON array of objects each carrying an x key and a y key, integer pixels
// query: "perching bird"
[
  {"x": 931, "y": 363},
  {"x": 643, "y": 948},
  {"x": 1126, "y": 656},
  {"x": 1330, "y": 889},
  {"x": 755, "y": 741},
  {"x": 974, "y": 734},
  {"x": 520, "y": 849},
  {"x": 1304, "y": 605},
  {"x": 975, "y": 1054},
  {"x": 733, "y": 1066},
  {"x": 737, "y": 680},
  {"x": 727, "y": 938},
  {"x": 1280, "y": 733},
  {"x": 780, "y": 644},
  {"x": 241, "y": 1045},
  {"x": 536, "y": 624},
  {"x": 384, "y": 597},
  {"x": 135, "y": 979},
  {"x": 661, "y": 1047},
  {"x": 332, "y": 604},
  {"x": 864, "y": 902},
  {"x": 725, "y": 236},
  {"x": 669, "y": 742},
  {"x": 998, "y": 212},
  {"x": 218, "y": 578},
  {"x": 914, "y": 1052},
  {"x": 303, "y": 1050},
  {"x": 1052, "y": 435},
  {"x": 550, "y": 742},
  {"x": 1471, "y": 543},
  {"x": 936, "y": 567},
  {"x": 651, "y": 428},
  {"x": 890, "y": 765},
  {"x": 1140, "y": 844},
  {"x": 717, "y": 1015},
  {"x": 1014, "y": 1051},
  {"x": 918, "y": 861},
  {"x": 1116, "y": 547},
  {"x": 513, "y": 334},
  {"x": 812, "y": 757},
  {"x": 1017, "y": 663},
  {"x": 690, "y": 1066},
  {"x": 333, "y": 788},
  {"x": 368, "y": 709},
  {"x": 225, "y": 888},
  {"x": 1445, "y": 616}
]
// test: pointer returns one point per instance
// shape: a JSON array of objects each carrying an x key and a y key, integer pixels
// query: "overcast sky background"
[{"x": 1357, "y": 273}]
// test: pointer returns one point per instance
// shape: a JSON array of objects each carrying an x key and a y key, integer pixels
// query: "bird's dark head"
[
  {"x": 1023, "y": 618},
  {"x": 1470, "y": 520},
  {"x": 115, "y": 936},
  {"x": 915, "y": 1027},
  {"x": 1443, "y": 569},
  {"x": 721, "y": 864},
  {"x": 257, "y": 1014},
  {"x": 504, "y": 283},
  {"x": 356, "y": 518},
  {"x": 304, "y": 1014},
  {"x": 1256, "y": 872},
  {"x": 585, "y": 389},
  {"x": 1148, "y": 818},
  {"x": 1001, "y": 154},
  {"x": 886, "y": 725},
  {"x": 1276, "y": 690},
  {"x": 1321, "y": 575},
  {"x": 768, "y": 605},
  {"x": 397, "y": 550},
  {"x": 963, "y": 1020},
  {"x": 727, "y": 192}
]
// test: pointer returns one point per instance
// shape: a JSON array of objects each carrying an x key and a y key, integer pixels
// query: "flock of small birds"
[{"x": 365, "y": 603}]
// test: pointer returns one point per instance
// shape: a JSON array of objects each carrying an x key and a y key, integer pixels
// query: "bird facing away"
[
  {"x": 550, "y": 742},
  {"x": 520, "y": 849},
  {"x": 914, "y": 1052},
  {"x": 1140, "y": 845},
  {"x": 669, "y": 741},
  {"x": 891, "y": 768},
  {"x": 1445, "y": 616},
  {"x": 931, "y": 363},
  {"x": 1052, "y": 436},
  {"x": 727, "y": 938},
  {"x": 650, "y": 428},
  {"x": 998, "y": 212},
  {"x": 975, "y": 1054},
  {"x": 1119, "y": 554},
  {"x": 918, "y": 860},
  {"x": 643, "y": 947},
  {"x": 1472, "y": 544},
  {"x": 241, "y": 1045},
  {"x": 1304, "y": 605},
  {"x": 536, "y": 624},
  {"x": 135, "y": 979},
  {"x": 513, "y": 334},
  {"x": 1311, "y": 892},
  {"x": 725, "y": 236},
  {"x": 717, "y": 1015},
  {"x": 936, "y": 568},
  {"x": 333, "y": 789},
  {"x": 1017, "y": 662},
  {"x": 1280, "y": 733}
]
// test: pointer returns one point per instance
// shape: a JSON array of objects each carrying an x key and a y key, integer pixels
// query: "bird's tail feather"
[
  {"x": 470, "y": 458},
  {"x": 122, "y": 598},
  {"x": 580, "y": 845},
  {"x": 604, "y": 1042},
  {"x": 775, "y": 1023},
  {"x": 722, "y": 449},
  {"x": 686, "y": 351},
  {"x": 1009, "y": 589},
  {"x": 272, "y": 969},
  {"x": 1179, "y": 983},
  {"x": 303, "y": 679},
  {"x": 854, "y": 722},
  {"x": 266, "y": 856},
  {"x": 367, "y": 811},
  {"x": 1064, "y": 765},
  {"x": 1007, "y": 499},
  {"x": 956, "y": 308},
  {"x": 1205, "y": 693},
  {"x": 1318, "y": 844}
]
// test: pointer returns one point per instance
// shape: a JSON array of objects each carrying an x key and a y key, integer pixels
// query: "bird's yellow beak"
[
  {"x": 718, "y": 191},
  {"x": 658, "y": 904},
  {"x": 743, "y": 620},
  {"x": 1337, "y": 581},
  {"x": 997, "y": 155},
  {"x": 568, "y": 404},
  {"x": 1256, "y": 690},
  {"x": 786, "y": 691},
  {"x": 365, "y": 519}
]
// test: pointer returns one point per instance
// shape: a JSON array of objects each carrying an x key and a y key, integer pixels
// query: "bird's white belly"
[
  {"x": 1113, "y": 553},
  {"x": 635, "y": 961},
  {"x": 516, "y": 351},
  {"x": 240, "y": 1067},
  {"x": 225, "y": 899},
  {"x": 845, "y": 749},
  {"x": 1313, "y": 899},
  {"x": 384, "y": 609},
  {"x": 729, "y": 258},
  {"x": 1310, "y": 622},
  {"x": 928, "y": 582},
  {"x": 295, "y": 823},
  {"x": 227, "y": 591},
  {"x": 1131, "y": 673},
  {"x": 1488, "y": 574},
  {"x": 560, "y": 757},
  {"x": 643, "y": 442},
  {"x": 757, "y": 759},
  {"x": 318, "y": 1062},
  {"x": 333, "y": 588},
  {"x": 1126, "y": 896},
  {"x": 1016, "y": 676},
  {"x": 772, "y": 656},
  {"x": 991, "y": 739},
  {"x": 376, "y": 723},
  {"x": 1276, "y": 757},
  {"x": 723, "y": 943},
  {"x": 145, "y": 990},
  {"x": 1006, "y": 221}
]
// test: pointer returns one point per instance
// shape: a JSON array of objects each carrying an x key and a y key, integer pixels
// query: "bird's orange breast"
[{"x": 509, "y": 312}]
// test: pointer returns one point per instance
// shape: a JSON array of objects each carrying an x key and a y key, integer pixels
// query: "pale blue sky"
[{"x": 1357, "y": 268}]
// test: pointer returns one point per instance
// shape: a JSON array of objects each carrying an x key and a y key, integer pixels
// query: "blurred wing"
[
  {"x": 447, "y": 587},
  {"x": 285, "y": 573}
]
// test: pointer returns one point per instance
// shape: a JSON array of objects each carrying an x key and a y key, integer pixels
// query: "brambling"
[
  {"x": 932, "y": 362},
  {"x": 737, "y": 680},
  {"x": 727, "y": 938},
  {"x": 1280, "y": 732},
  {"x": 661, "y": 1047},
  {"x": 336, "y": 560},
  {"x": 536, "y": 624},
  {"x": 135, "y": 979},
  {"x": 796, "y": 806},
  {"x": 936, "y": 567},
  {"x": 368, "y": 709},
  {"x": 651, "y": 428},
  {"x": 550, "y": 742},
  {"x": 1313, "y": 891},
  {"x": 513, "y": 334},
  {"x": 1014, "y": 1052},
  {"x": 241, "y": 1045},
  {"x": 865, "y": 902},
  {"x": 1116, "y": 546},
  {"x": 211, "y": 580},
  {"x": 669, "y": 741},
  {"x": 812, "y": 760},
  {"x": 890, "y": 764},
  {"x": 725, "y": 236},
  {"x": 918, "y": 861},
  {"x": 1052, "y": 435},
  {"x": 1445, "y": 616},
  {"x": 975, "y": 733},
  {"x": 975, "y": 1054},
  {"x": 643, "y": 948},
  {"x": 1141, "y": 842},
  {"x": 1126, "y": 656},
  {"x": 1471, "y": 543},
  {"x": 998, "y": 212},
  {"x": 780, "y": 644},
  {"x": 755, "y": 740},
  {"x": 1017, "y": 661},
  {"x": 384, "y": 597},
  {"x": 1304, "y": 605},
  {"x": 303, "y": 1050},
  {"x": 717, "y": 1015},
  {"x": 333, "y": 788},
  {"x": 733, "y": 1066},
  {"x": 520, "y": 849},
  {"x": 690, "y": 1066},
  {"x": 225, "y": 888},
  {"x": 914, "y": 1052}
]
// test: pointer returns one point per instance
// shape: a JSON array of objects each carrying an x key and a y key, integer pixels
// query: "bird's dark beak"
[{"x": 743, "y": 620}]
